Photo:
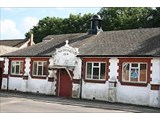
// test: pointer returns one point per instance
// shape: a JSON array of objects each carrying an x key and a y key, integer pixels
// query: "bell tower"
[{"x": 95, "y": 25}]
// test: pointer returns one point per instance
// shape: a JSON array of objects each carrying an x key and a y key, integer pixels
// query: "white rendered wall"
[
  {"x": 77, "y": 69},
  {"x": 51, "y": 85},
  {"x": 75, "y": 90},
  {"x": 4, "y": 80},
  {"x": 112, "y": 92},
  {"x": 98, "y": 91},
  {"x": 155, "y": 70},
  {"x": 15, "y": 83},
  {"x": 101, "y": 91},
  {"x": 27, "y": 66},
  {"x": 50, "y": 90},
  {"x": 133, "y": 94},
  {"x": 4, "y": 83},
  {"x": 113, "y": 68},
  {"x": 6, "y": 65},
  {"x": 155, "y": 94},
  {"x": 37, "y": 85},
  {"x": 77, "y": 75}
]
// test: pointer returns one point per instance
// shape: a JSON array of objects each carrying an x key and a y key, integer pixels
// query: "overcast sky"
[{"x": 15, "y": 22}]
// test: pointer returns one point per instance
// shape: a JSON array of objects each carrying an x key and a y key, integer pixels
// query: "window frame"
[
  {"x": 38, "y": 67},
  {"x": 14, "y": 73},
  {"x": 130, "y": 64},
  {"x": 99, "y": 66}
]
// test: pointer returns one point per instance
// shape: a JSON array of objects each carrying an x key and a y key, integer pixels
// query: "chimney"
[
  {"x": 31, "y": 42},
  {"x": 95, "y": 25}
]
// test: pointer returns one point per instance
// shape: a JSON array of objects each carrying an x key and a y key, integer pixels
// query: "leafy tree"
[
  {"x": 53, "y": 25},
  {"x": 117, "y": 18},
  {"x": 154, "y": 18},
  {"x": 113, "y": 18}
]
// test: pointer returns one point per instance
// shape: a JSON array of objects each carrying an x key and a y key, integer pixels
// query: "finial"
[{"x": 67, "y": 42}]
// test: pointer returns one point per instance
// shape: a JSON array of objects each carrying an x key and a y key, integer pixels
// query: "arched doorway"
[{"x": 64, "y": 83}]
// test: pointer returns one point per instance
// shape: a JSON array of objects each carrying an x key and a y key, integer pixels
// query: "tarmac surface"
[{"x": 19, "y": 102}]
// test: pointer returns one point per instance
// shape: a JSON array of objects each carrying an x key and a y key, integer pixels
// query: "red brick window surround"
[
  {"x": 95, "y": 70},
  {"x": 134, "y": 71},
  {"x": 39, "y": 68},
  {"x": 16, "y": 67}
]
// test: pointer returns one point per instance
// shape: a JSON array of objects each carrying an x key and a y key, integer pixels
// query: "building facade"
[{"x": 116, "y": 66}]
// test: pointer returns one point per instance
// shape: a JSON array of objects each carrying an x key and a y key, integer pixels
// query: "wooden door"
[{"x": 64, "y": 87}]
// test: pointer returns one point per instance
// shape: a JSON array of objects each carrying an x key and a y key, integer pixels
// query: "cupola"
[{"x": 95, "y": 25}]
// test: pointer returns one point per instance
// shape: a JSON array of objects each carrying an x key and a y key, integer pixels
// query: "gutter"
[
  {"x": 83, "y": 56},
  {"x": 118, "y": 55}
]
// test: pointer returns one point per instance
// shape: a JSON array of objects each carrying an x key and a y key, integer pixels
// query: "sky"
[
  {"x": 15, "y": 22},
  {"x": 18, "y": 16}
]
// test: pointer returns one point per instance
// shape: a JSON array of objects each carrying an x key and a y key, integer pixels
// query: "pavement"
[{"x": 29, "y": 102}]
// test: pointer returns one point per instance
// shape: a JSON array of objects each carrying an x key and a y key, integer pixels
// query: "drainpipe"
[
  {"x": 80, "y": 96},
  {"x": 8, "y": 75},
  {"x": 7, "y": 82}
]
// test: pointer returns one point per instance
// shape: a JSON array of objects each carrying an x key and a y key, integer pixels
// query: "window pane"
[
  {"x": 45, "y": 68},
  {"x": 134, "y": 65},
  {"x": 39, "y": 70},
  {"x": 103, "y": 67},
  {"x": 40, "y": 63},
  {"x": 143, "y": 72},
  {"x": 126, "y": 67},
  {"x": 35, "y": 68},
  {"x": 89, "y": 70},
  {"x": 134, "y": 75},
  {"x": 17, "y": 69},
  {"x": 13, "y": 68},
  {"x": 95, "y": 73},
  {"x": 96, "y": 64},
  {"x": 21, "y": 67}
]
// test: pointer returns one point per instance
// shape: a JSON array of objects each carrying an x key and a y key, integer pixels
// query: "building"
[
  {"x": 116, "y": 66},
  {"x": 11, "y": 45}
]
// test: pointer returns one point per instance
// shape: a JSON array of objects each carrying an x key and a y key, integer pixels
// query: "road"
[{"x": 11, "y": 102}]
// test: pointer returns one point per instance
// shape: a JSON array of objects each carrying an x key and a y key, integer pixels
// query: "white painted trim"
[
  {"x": 130, "y": 64},
  {"x": 99, "y": 66}
]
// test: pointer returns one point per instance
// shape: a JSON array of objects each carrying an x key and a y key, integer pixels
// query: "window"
[
  {"x": 95, "y": 70},
  {"x": 134, "y": 72},
  {"x": 39, "y": 68},
  {"x": 16, "y": 67}
]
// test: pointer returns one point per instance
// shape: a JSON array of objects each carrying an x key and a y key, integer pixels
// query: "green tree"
[
  {"x": 113, "y": 18},
  {"x": 117, "y": 18},
  {"x": 154, "y": 18},
  {"x": 53, "y": 26}
]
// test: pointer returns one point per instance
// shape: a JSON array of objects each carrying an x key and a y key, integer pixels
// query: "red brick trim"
[
  {"x": 2, "y": 65},
  {"x": 57, "y": 82},
  {"x": 51, "y": 79},
  {"x": 106, "y": 60},
  {"x": 114, "y": 83},
  {"x": 95, "y": 81},
  {"x": 31, "y": 66},
  {"x": 155, "y": 87},
  {"x": 5, "y": 75},
  {"x": 25, "y": 77},
  {"x": 76, "y": 81},
  {"x": 147, "y": 60},
  {"x": 134, "y": 84},
  {"x": 16, "y": 59}
]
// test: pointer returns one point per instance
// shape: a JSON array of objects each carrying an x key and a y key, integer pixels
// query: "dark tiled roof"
[
  {"x": 133, "y": 42},
  {"x": 13, "y": 43}
]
